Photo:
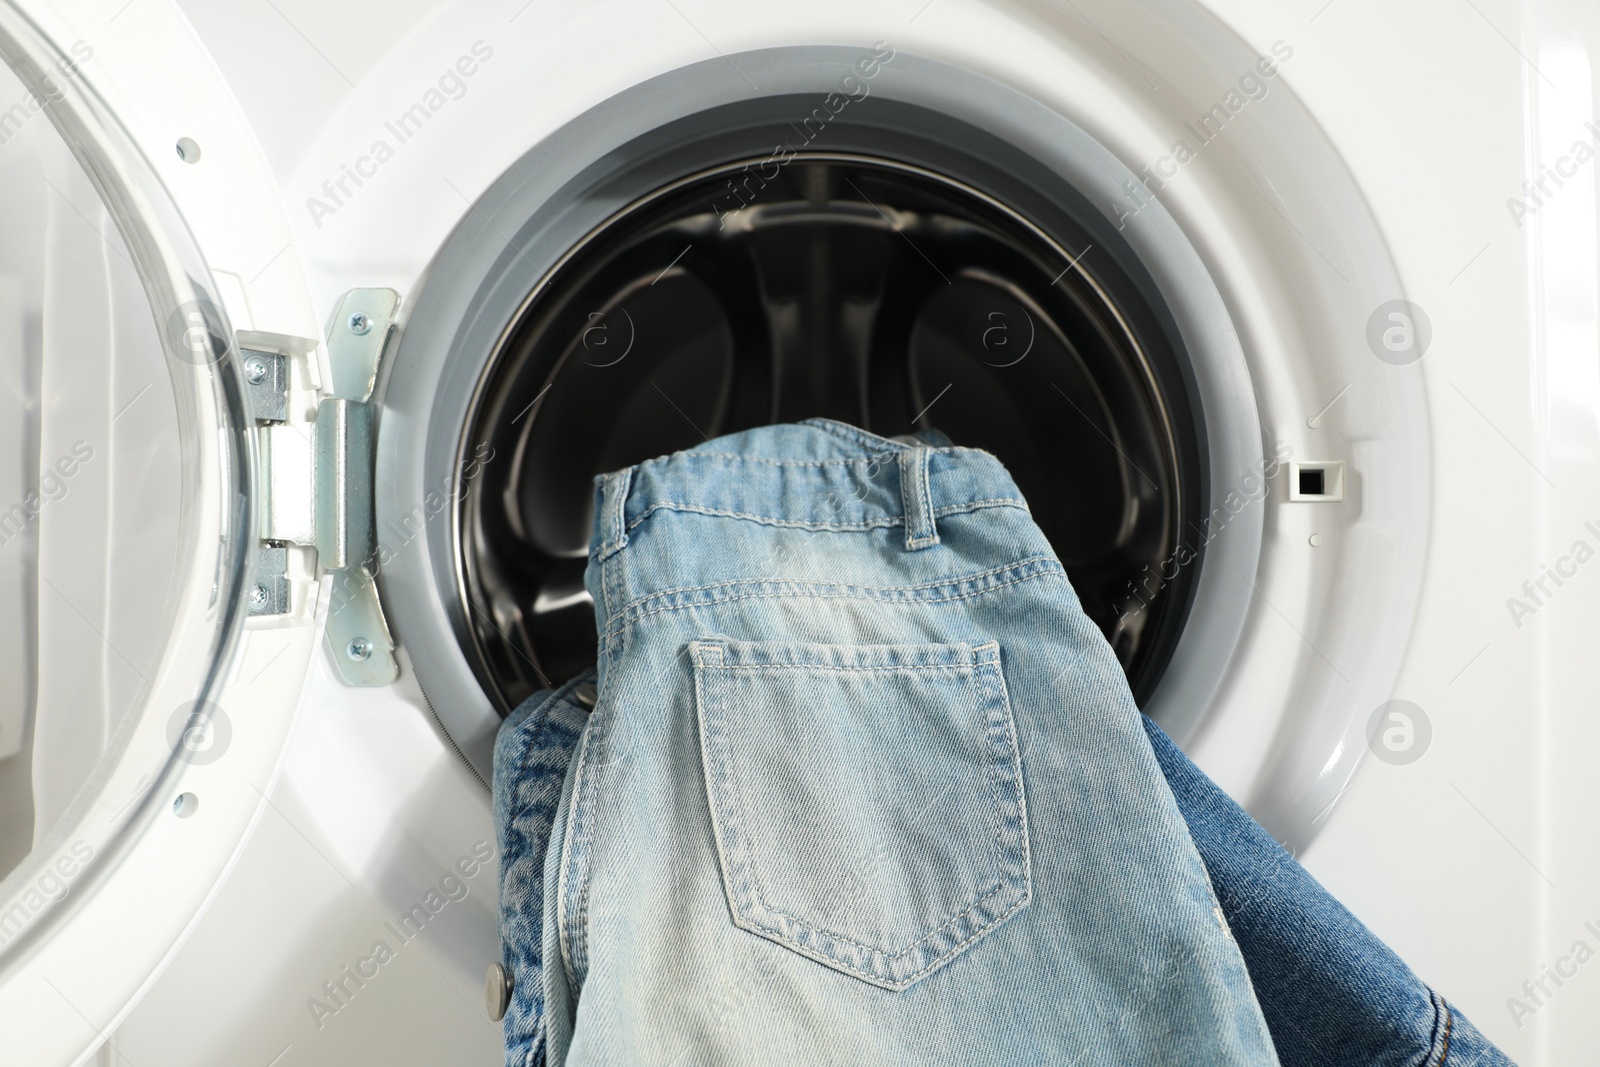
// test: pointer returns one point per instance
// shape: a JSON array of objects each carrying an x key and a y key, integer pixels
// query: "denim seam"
[
  {"x": 965, "y": 908},
  {"x": 826, "y": 667},
  {"x": 933, "y": 965},
  {"x": 612, "y": 581},
  {"x": 1019, "y": 571},
  {"x": 869, "y": 440},
  {"x": 987, "y": 502},
  {"x": 1000, "y": 701},
  {"x": 916, "y": 500},
  {"x": 962, "y": 909},
  {"x": 610, "y": 521},
  {"x": 563, "y": 935},
  {"x": 797, "y": 463},
  {"x": 855, "y": 435},
  {"x": 811, "y": 524},
  {"x": 1439, "y": 1044},
  {"x": 585, "y": 853},
  {"x": 575, "y": 865},
  {"x": 1030, "y": 561},
  {"x": 995, "y": 780},
  {"x": 792, "y": 594},
  {"x": 740, "y": 871}
]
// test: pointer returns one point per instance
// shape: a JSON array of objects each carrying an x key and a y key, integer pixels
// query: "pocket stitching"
[
  {"x": 910, "y": 979},
  {"x": 1002, "y": 699},
  {"x": 997, "y": 801},
  {"x": 740, "y": 870},
  {"x": 966, "y": 909}
]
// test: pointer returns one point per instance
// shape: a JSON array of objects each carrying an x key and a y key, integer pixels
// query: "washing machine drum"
[{"x": 849, "y": 286}]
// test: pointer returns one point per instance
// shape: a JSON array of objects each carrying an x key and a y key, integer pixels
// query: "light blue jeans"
[{"x": 864, "y": 785}]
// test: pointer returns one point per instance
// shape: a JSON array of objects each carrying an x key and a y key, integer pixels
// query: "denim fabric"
[
  {"x": 1332, "y": 993},
  {"x": 863, "y": 785},
  {"x": 531, "y": 756}
]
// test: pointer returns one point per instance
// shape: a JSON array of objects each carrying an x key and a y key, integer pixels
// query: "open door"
[{"x": 154, "y": 323}]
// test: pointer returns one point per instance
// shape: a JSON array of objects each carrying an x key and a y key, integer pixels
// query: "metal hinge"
[{"x": 318, "y": 483}]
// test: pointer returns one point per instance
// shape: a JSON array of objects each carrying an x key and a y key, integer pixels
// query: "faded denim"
[{"x": 863, "y": 785}]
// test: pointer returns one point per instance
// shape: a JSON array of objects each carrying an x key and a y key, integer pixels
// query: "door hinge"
[{"x": 318, "y": 478}]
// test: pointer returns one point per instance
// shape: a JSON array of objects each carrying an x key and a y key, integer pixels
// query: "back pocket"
[{"x": 867, "y": 799}]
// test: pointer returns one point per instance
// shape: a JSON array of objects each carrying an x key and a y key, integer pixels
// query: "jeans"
[
  {"x": 532, "y": 753},
  {"x": 1332, "y": 993},
  {"x": 863, "y": 785}
]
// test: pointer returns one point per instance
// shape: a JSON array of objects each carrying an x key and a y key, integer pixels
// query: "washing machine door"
[{"x": 154, "y": 325}]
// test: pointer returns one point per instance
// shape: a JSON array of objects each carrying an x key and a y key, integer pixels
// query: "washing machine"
[{"x": 317, "y": 321}]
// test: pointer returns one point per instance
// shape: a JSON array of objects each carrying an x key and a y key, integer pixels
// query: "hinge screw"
[
  {"x": 258, "y": 596},
  {"x": 255, "y": 370},
  {"x": 359, "y": 649},
  {"x": 360, "y": 323}
]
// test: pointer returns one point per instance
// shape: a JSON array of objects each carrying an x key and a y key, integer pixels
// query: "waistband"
[{"x": 816, "y": 475}]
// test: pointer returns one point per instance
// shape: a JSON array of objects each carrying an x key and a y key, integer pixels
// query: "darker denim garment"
[
  {"x": 1332, "y": 993},
  {"x": 532, "y": 754}
]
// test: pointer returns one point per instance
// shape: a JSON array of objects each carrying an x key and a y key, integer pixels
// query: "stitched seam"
[
  {"x": 747, "y": 864},
  {"x": 900, "y": 983},
  {"x": 1443, "y": 1023},
  {"x": 601, "y": 736},
  {"x": 885, "y": 959},
  {"x": 1017, "y": 565},
  {"x": 708, "y": 746},
  {"x": 578, "y": 840},
  {"x": 1036, "y": 566},
  {"x": 616, "y": 504},
  {"x": 798, "y": 463},
  {"x": 825, "y": 596},
  {"x": 1019, "y": 796},
  {"x": 824, "y": 667},
  {"x": 818, "y": 595},
  {"x": 996, "y": 782},
  {"x": 910, "y": 494},
  {"x": 816, "y": 524},
  {"x": 765, "y": 520},
  {"x": 855, "y": 435},
  {"x": 925, "y": 495},
  {"x": 568, "y": 861},
  {"x": 951, "y": 509},
  {"x": 966, "y": 907}
]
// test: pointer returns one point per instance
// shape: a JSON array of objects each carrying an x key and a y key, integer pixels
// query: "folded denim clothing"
[
  {"x": 1332, "y": 993},
  {"x": 532, "y": 754},
  {"x": 863, "y": 784}
]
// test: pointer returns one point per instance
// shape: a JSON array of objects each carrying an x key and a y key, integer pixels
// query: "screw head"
[
  {"x": 359, "y": 649},
  {"x": 360, "y": 323},
  {"x": 255, "y": 370},
  {"x": 259, "y": 595}
]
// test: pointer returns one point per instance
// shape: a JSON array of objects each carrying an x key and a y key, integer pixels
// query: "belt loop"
[
  {"x": 613, "y": 512},
  {"x": 916, "y": 500}
]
